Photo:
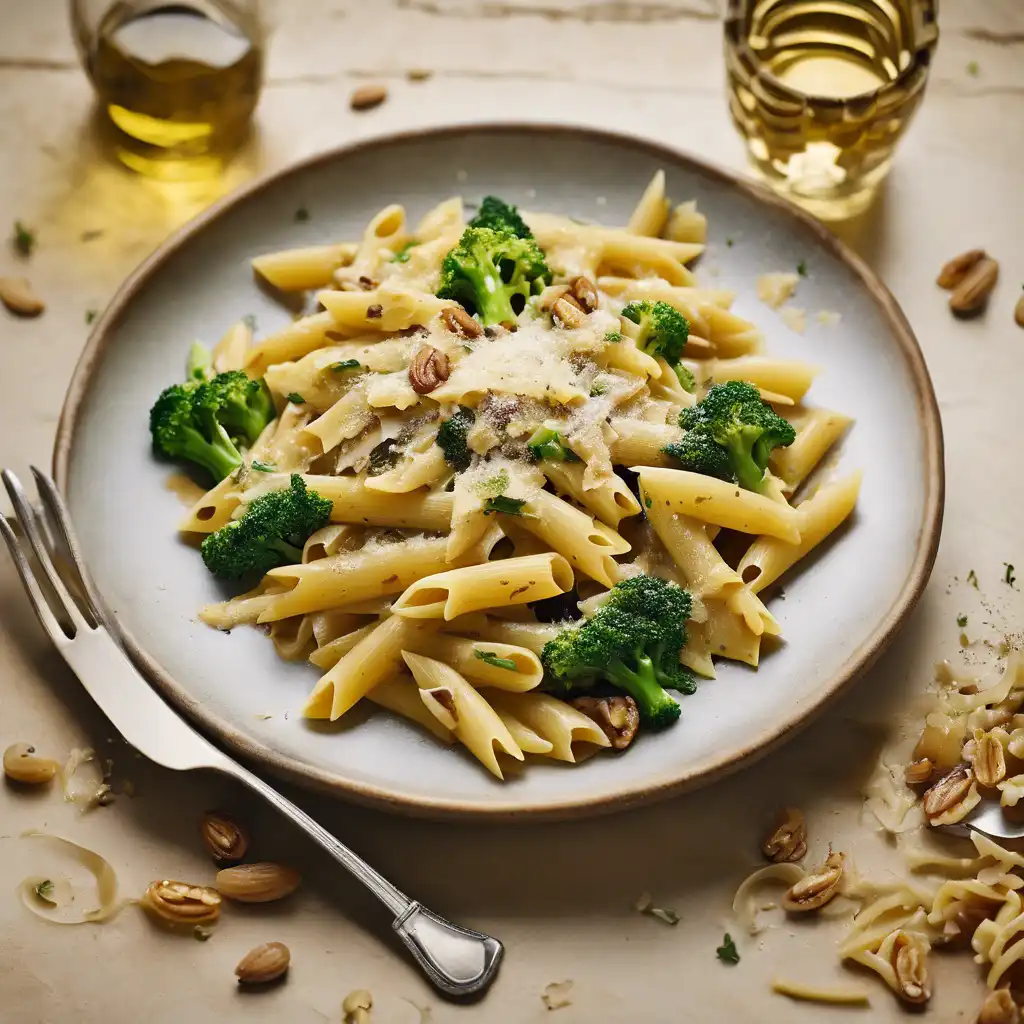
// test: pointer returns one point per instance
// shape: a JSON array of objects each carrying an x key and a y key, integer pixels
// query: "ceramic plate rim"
[{"x": 248, "y": 747}]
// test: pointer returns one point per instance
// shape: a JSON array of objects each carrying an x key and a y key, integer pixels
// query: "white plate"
[{"x": 838, "y": 612}]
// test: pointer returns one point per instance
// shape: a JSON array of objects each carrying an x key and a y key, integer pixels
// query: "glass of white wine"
[
  {"x": 822, "y": 90},
  {"x": 178, "y": 82}
]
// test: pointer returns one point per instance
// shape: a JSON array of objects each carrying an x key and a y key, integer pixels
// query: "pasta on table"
[{"x": 488, "y": 486}]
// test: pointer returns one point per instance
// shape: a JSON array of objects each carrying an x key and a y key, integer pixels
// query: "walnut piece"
[
  {"x": 788, "y": 840},
  {"x": 224, "y": 837},
  {"x": 263, "y": 964},
  {"x": 459, "y": 322},
  {"x": 567, "y": 313},
  {"x": 428, "y": 369},
  {"x": 178, "y": 903},
  {"x": 816, "y": 889},
  {"x": 952, "y": 798},
  {"x": 585, "y": 294},
  {"x": 258, "y": 883},
  {"x": 954, "y": 271},
  {"x": 617, "y": 716},
  {"x": 22, "y": 764}
]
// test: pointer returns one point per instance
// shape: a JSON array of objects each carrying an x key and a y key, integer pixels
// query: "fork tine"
[
  {"x": 35, "y": 593},
  {"x": 58, "y": 513},
  {"x": 26, "y": 517}
]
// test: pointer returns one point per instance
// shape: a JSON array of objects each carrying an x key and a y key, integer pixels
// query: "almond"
[
  {"x": 367, "y": 97},
  {"x": 971, "y": 294},
  {"x": 257, "y": 883},
  {"x": 263, "y": 964},
  {"x": 225, "y": 839},
  {"x": 22, "y": 764},
  {"x": 955, "y": 270},
  {"x": 17, "y": 295}
]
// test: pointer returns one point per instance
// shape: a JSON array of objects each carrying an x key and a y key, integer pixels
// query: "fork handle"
[{"x": 458, "y": 960}]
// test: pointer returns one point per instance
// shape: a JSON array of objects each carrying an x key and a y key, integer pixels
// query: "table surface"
[{"x": 559, "y": 896}]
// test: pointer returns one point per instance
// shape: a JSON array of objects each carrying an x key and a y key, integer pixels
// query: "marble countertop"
[{"x": 560, "y": 896}]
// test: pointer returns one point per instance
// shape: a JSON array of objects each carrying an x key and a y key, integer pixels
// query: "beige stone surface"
[{"x": 560, "y": 896}]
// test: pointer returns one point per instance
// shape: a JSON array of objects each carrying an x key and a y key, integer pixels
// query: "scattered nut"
[
  {"x": 956, "y": 269},
  {"x": 910, "y": 964},
  {"x": 419, "y": 74},
  {"x": 971, "y": 294},
  {"x": 1018, "y": 312},
  {"x": 367, "y": 97},
  {"x": 178, "y": 903},
  {"x": 428, "y": 369},
  {"x": 817, "y": 888},
  {"x": 263, "y": 964},
  {"x": 999, "y": 1008},
  {"x": 458, "y": 321},
  {"x": 257, "y": 883},
  {"x": 356, "y": 1007},
  {"x": 584, "y": 292},
  {"x": 21, "y": 764},
  {"x": 788, "y": 840},
  {"x": 568, "y": 313},
  {"x": 374, "y": 312},
  {"x": 952, "y": 798},
  {"x": 919, "y": 771},
  {"x": 989, "y": 761},
  {"x": 17, "y": 295},
  {"x": 617, "y": 716},
  {"x": 225, "y": 839}
]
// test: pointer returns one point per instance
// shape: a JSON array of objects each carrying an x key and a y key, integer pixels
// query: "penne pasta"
[
  {"x": 553, "y": 720},
  {"x": 299, "y": 270}
]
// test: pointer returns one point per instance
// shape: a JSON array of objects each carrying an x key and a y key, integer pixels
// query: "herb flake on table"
[
  {"x": 250, "y": 321},
  {"x": 972, "y": 578},
  {"x": 44, "y": 890},
  {"x": 973, "y": 68},
  {"x": 301, "y": 215},
  {"x": 961, "y": 621},
  {"x": 23, "y": 239},
  {"x": 490, "y": 658},
  {"x": 727, "y": 951},
  {"x": 1010, "y": 578},
  {"x": 90, "y": 315},
  {"x": 645, "y": 905}
]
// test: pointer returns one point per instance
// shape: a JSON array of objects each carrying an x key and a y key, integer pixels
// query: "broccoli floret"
[
  {"x": 495, "y": 213},
  {"x": 663, "y": 330},
  {"x": 493, "y": 273},
  {"x": 199, "y": 365},
  {"x": 733, "y": 417},
  {"x": 686, "y": 378},
  {"x": 242, "y": 405},
  {"x": 179, "y": 432},
  {"x": 451, "y": 438},
  {"x": 632, "y": 643},
  {"x": 546, "y": 443},
  {"x": 270, "y": 533}
]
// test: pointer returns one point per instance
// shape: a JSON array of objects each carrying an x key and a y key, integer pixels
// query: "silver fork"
[
  {"x": 987, "y": 820},
  {"x": 457, "y": 960}
]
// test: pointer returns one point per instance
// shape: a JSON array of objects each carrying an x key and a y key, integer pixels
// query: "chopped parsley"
[
  {"x": 801, "y": 268},
  {"x": 23, "y": 240},
  {"x": 402, "y": 256},
  {"x": 972, "y": 578},
  {"x": 1009, "y": 578},
  {"x": 296, "y": 398},
  {"x": 973, "y": 69},
  {"x": 727, "y": 951},
  {"x": 301, "y": 215},
  {"x": 44, "y": 890},
  {"x": 961, "y": 621},
  {"x": 503, "y": 503},
  {"x": 263, "y": 467},
  {"x": 492, "y": 659},
  {"x": 384, "y": 456},
  {"x": 598, "y": 389},
  {"x": 729, "y": 243},
  {"x": 90, "y": 315},
  {"x": 648, "y": 502},
  {"x": 613, "y": 336},
  {"x": 346, "y": 364},
  {"x": 250, "y": 321},
  {"x": 493, "y": 486}
]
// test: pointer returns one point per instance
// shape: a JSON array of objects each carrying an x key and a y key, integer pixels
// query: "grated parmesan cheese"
[{"x": 776, "y": 289}]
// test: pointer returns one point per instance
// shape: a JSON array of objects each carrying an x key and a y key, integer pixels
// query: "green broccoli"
[
  {"x": 492, "y": 273},
  {"x": 200, "y": 363},
  {"x": 733, "y": 418},
  {"x": 180, "y": 433},
  {"x": 663, "y": 332},
  {"x": 501, "y": 216},
  {"x": 271, "y": 532},
  {"x": 632, "y": 643},
  {"x": 546, "y": 443},
  {"x": 451, "y": 438},
  {"x": 242, "y": 405}
]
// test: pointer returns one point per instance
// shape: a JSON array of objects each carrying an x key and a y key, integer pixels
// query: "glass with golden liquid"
[
  {"x": 822, "y": 90},
  {"x": 177, "y": 81}
]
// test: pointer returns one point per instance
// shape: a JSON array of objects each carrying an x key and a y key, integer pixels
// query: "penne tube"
[
  {"x": 531, "y": 635},
  {"x": 328, "y": 540},
  {"x": 357, "y": 504},
  {"x": 588, "y": 546},
  {"x": 352, "y": 576},
  {"x": 651, "y": 212},
  {"x": 376, "y": 656},
  {"x": 768, "y": 557},
  {"x": 420, "y": 469},
  {"x": 230, "y": 352},
  {"x": 553, "y": 720},
  {"x": 523, "y": 671},
  {"x": 241, "y": 610},
  {"x": 816, "y": 432},
  {"x": 387, "y": 308},
  {"x": 474, "y": 588},
  {"x": 401, "y": 695},
  {"x": 696, "y": 655},
  {"x": 300, "y": 270},
  {"x": 296, "y": 340},
  {"x": 788, "y": 377},
  {"x": 526, "y": 739},
  {"x": 624, "y": 355},
  {"x": 749, "y": 607},
  {"x": 293, "y": 638},
  {"x": 328, "y": 655},
  {"x": 639, "y": 443},
  {"x": 214, "y": 509},
  {"x": 476, "y": 725},
  {"x": 611, "y": 501},
  {"x": 727, "y": 635},
  {"x": 347, "y": 418},
  {"x": 716, "y": 501},
  {"x": 687, "y": 224}
]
